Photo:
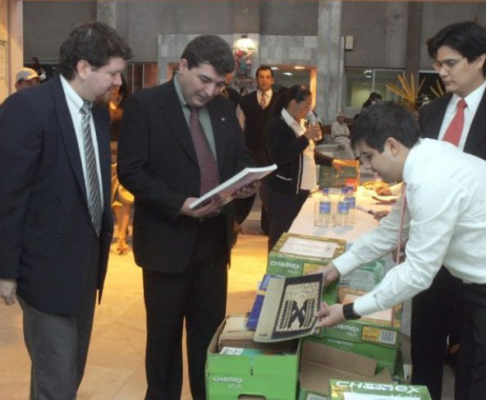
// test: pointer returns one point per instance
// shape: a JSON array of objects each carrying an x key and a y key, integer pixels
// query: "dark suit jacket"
[
  {"x": 431, "y": 117},
  {"x": 157, "y": 162},
  {"x": 46, "y": 234}
]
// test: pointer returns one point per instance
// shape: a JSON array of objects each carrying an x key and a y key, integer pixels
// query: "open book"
[
  {"x": 288, "y": 308},
  {"x": 227, "y": 189}
]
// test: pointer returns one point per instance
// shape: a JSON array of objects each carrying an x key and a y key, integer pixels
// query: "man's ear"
[
  {"x": 82, "y": 68},
  {"x": 183, "y": 66},
  {"x": 394, "y": 145}
]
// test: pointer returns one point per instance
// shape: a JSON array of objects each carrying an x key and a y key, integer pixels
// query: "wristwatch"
[{"x": 349, "y": 313}]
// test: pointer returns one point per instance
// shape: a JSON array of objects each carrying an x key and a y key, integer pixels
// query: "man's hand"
[
  {"x": 330, "y": 315},
  {"x": 381, "y": 214},
  {"x": 210, "y": 209},
  {"x": 247, "y": 191},
  {"x": 8, "y": 291},
  {"x": 313, "y": 132},
  {"x": 330, "y": 273}
]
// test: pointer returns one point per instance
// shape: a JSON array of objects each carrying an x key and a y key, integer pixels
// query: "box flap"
[{"x": 321, "y": 363}]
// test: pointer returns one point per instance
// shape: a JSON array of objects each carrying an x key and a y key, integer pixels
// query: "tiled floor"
[{"x": 115, "y": 369}]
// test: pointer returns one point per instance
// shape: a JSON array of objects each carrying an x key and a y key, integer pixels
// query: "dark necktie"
[
  {"x": 205, "y": 157},
  {"x": 92, "y": 181},
  {"x": 454, "y": 131}
]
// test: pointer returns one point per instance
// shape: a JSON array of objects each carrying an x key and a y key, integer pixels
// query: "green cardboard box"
[
  {"x": 297, "y": 255},
  {"x": 344, "y": 390},
  {"x": 366, "y": 277},
  {"x": 251, "y": 374}
]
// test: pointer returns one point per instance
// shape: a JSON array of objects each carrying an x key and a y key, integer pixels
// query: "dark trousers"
[
  {"x": 196, "y": 296},
  {"x": 436, "y": 314},
  {"x": 261, "y": 160},
  {"x": 471, "y": 372},
  {"x": 58, "y": 344},
  {"x": 282, "y": 210}
]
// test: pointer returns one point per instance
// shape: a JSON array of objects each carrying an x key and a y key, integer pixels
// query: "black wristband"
[{"x": 349, "y": 313}]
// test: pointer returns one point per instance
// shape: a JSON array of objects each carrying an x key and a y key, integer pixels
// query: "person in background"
[
  {"x": 229, "y": 92},
  {"x": 121, "y": 199},
  {"x": 26, "y": 78},
  {"x": 56, "y": 223},
  {"x": 290, "y": 145},
  {"x": 441, "y": 213},
  {"x": 340, "y": 135},
  {"x": 178, "y": 141},
  {"x": 459, "y": 51},
  {"x": 255, "y": 113},
  {"x": 37, "y": 67},
  {"x": 373, "y": 99}
]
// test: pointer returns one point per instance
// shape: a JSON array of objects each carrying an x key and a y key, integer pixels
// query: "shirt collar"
[
  {"x": 178, "y": 90},
  {"x": 472, "y": 99},
  {"x": 291, "y": 121},
  {"x": 73, "y": 99},
  {"x": 268, "y": 93},
  {"x": 410, "y": 163}
]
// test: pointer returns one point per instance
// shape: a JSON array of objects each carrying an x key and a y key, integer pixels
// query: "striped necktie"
[
  {"x": 454, "y": 131},
  {"x": 92, "y": 180},
  {"x": 263, "y": 100},
  {"x": 205, "y": 158}
]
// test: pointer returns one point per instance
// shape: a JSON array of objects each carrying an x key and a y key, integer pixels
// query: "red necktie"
[
  {"x": 402, "y": 218},
  {"x": 205, "y": 158},
  {"x": 454, "y": 131},
  {"x": 263, "y": 100}
]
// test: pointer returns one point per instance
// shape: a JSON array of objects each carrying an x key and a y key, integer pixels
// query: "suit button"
[
  {"x": 59, "y": 235},
  {"x": 57, "y": 200}
]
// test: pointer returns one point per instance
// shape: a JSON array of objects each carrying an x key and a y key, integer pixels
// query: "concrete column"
[
  {"x": 329, "y": 63},
  {"x": 414, "y": 33},
  {"x": 106, "y": 11},
  {"x": 12, "y": 37}
]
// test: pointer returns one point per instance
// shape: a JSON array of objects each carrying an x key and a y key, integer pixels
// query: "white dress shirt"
[
  {"x": 309, "y": 176},
  {"x": 472, "y": 101},
  {"x": 75, "y": 102},
  {"x": 445, "y": 222}
]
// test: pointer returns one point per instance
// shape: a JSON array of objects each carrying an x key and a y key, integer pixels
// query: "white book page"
[{"x": 309, "y": 248}]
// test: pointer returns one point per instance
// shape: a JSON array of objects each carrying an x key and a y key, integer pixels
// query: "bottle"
[
  {"x": 342, "y": 209},
  {"x": 351, "y": 200},
  {"x": 311, "y": 119},
  {"x": 322, "y": 210}
]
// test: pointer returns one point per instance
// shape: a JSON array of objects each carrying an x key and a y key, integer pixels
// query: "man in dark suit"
[
  {"x": 179, "y": 140},
  {"x": 55, "y": 217},
  {"x": 459, "y": 51},
  {"x": 255, "y": 112}
]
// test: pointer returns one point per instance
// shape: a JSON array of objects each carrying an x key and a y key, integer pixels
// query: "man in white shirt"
[
  {"x": 444, "y": 219},
  {"x": 458, "y": 51}
]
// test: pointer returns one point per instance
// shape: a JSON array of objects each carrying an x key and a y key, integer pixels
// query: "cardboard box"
[
  {"x": 342, "y": 390},
  {"x": 320, "y": 364},
  {"x": 252, "y": 374},
  {"x": 365, "y": 277},
  {"x": 297, "y": 255}
]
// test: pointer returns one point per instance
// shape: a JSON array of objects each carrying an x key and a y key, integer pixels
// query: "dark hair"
[
  {"x": 375, "y": 96},
  {"x": 467, "y": 38},
  {"x": 382, "y": 121},
  {"x": 212, "y": 50},
  {"x": 297, "y": 92},
  {"x": 263, "y": 68},
  {"x": 94, "y": 42}
]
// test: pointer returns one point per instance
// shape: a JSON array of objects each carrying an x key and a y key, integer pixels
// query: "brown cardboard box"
[{"x": 321, "y": 363}]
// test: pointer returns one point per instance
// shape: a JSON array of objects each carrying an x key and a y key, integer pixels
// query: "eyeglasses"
[{"x": 446, "y": 64}]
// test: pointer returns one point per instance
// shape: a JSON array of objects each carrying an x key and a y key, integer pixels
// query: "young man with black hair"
[
  {"x": 441, "y": 213},
  {"x": 178, "y": 141},
  {"x": 55, "y": 213},
  {"x": 459, "y": 51}
]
